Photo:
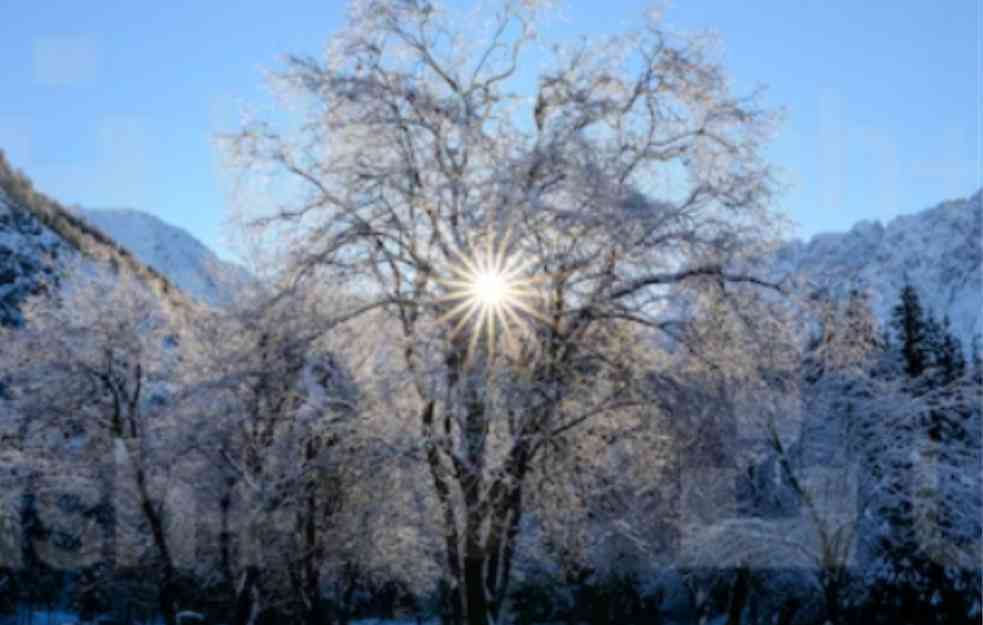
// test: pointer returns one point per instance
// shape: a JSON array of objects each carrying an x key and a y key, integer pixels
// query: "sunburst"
[{"x": 490, "y": 292}]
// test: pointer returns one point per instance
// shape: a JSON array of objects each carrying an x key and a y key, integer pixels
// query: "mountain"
[
  {"x": 172, "y": 251},
  {"x": 939, "y": 251},
  {"x": 40, "y": 239},
  {"x": 29, "y": 257}
]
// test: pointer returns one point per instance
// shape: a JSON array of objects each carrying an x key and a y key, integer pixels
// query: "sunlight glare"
[
  {"x": 490, "y": 288},
  {"x": 490, "y": 294}
]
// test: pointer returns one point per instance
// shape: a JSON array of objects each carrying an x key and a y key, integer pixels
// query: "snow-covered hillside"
[
  {"x": 938, "y": 250},
  {"x": 37, "y": 236},
  {"x": 172, "y": 251},
  {"x": 42, "y": 242},
  {"x": 29, "y": 257}
]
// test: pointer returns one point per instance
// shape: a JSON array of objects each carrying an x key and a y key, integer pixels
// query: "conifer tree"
[
  {"x": 921, "y": 580},
  {"x": 908, "y": 321},
  {"x": 976, "y": 362},
  {"x": 951, "y": 360}
]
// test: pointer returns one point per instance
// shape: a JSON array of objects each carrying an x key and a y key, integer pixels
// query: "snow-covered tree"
[
  {"x": 91, "y": 374},
  {"x": 887, "y": 515},
  {"x": 909, "y": 323},
  {"x": 509, "y": 233},
  {"x": 926, "y": 475},
  {"x": 275, "y": 412}
]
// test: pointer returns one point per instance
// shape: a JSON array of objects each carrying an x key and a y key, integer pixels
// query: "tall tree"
[
  {"x": 909, "y": 323},
  {"x": 510, "y": 235},
  {"x": 928, "y": 480},
  {"x": 951, "y": 359},
  {"x": 93, "y": 363},
  {"x": 275, "y": 423}
]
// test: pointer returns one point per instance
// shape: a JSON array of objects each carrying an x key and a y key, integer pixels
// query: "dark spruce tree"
[
  {"x": 976, "y": 361},
  {"x": 908, "y": 321},
  {"x": 951, "y": 359},
  {"x": 920, "y": 582}
]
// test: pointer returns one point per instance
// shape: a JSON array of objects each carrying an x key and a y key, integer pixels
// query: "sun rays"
[
  {"x": 490, "y": 292},
  {"x": 491, "y": 288}
]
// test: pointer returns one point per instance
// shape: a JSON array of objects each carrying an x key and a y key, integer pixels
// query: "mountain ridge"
[
  {"x": 173, "y": 251},
  {"x": 39, "y": 239},
  {"x": 938, "y": 250}
]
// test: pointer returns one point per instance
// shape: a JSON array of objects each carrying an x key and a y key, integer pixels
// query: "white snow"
[
  {"x": 939, "y": 250},
  {"x": 172, "y": 251}
]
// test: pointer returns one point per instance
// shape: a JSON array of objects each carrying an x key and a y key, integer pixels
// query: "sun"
[
  {"x": 489, "y": 293},
  {"x": 490, "y": 288}
]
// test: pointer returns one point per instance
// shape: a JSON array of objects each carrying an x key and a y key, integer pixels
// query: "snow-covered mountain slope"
[
  {"x": 29, "y": 257},
  {"x": 172, "y": 251},
  {"x": 939, "y": 251},
  {"x": 40, "y": 241}
]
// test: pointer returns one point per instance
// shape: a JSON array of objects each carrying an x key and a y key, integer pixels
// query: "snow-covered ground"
[
  {"x": 53, "y": 617},
  {"x": 61, "y": 617},
  {"x": 58, "y": 617}
]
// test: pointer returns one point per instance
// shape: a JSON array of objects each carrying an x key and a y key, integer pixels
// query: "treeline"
[
  {"x": 252, "y": 466},
  {"x": 909, "y": 399},
  {"x": 511, "y": 360}
]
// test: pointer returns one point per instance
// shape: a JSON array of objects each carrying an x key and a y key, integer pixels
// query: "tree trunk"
[
  {"x": 502, "y": 537},
  {"x": 474, "y": 585},
  {"x": 104, "y": 571},
  {"x": 450, "y": 609},
  {"x": 350, "y": 581},
  {"x": 225, "y": 536},
  {"x": 310, "y": 586},
  {"x": 475, "y": 555},
  {"x": 451, "y": 537},
  {"x": 244, "y": 607},
  {"x": 168, "y": 581},
  {"x": 739, "y": 596},
  {"x": 787, "y": 613},
  {"x": 31, "y": 528},
  {"x": 496, "y": 539},
  {"x": 831, "y": 592}
]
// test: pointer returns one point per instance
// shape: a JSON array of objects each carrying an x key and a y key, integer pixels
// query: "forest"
[{"x": 511, "y": 355}]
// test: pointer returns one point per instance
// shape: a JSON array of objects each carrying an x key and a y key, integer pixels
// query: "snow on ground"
[{"x": 61, "y": 617}]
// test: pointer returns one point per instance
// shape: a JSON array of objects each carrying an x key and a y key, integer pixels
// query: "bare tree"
[
  {"x": 91, "y": 370},
  {"x": 511, "y": 237},
  {"x": 276, "y": 412}
]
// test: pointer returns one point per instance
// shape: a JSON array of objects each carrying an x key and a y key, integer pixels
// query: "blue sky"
[{"x": 115, "y": 104}]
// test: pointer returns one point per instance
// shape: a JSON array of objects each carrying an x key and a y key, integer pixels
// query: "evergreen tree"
[
  {"x": 920, "y": 580},
  {"x": 934, "y": 337},
  {"x": 908, "y": 321},
  {"x": 977, "y": 360},
  {"x": 948, "y": 366},
  {"x": 951, "y": 360}
]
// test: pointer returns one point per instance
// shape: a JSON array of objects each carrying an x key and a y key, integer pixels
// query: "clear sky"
[{"x": 115, "y": 104}]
